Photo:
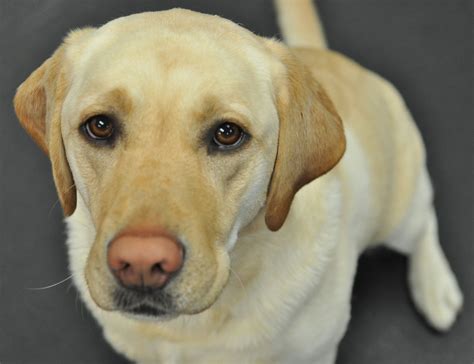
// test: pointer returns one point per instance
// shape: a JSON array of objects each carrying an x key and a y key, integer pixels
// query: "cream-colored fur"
[{"x": 271, "y": 296}]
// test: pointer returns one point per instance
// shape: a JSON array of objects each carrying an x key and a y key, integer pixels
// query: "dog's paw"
[{"x": 434, "y": 288}]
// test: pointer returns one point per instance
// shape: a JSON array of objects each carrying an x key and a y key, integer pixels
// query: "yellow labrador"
[{"x": 179, "y": 141}]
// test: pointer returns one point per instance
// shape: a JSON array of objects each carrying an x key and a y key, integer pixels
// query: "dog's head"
[{"x": 176, "y": 129}]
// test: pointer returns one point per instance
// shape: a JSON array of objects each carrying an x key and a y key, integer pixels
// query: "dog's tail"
[{"x": 299, "y": 23}]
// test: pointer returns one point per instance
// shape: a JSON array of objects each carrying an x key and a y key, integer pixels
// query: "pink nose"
[{"x": 144, "y": 259}]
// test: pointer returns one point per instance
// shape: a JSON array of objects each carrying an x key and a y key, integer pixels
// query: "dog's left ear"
[
  {"x": 38, "y": 104},
  {"x": 311, "y": 137}
]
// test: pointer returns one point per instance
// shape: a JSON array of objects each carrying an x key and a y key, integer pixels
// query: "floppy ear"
[
  {"x": 311, "y": 137},
  {"x": 38, "y": 103}
]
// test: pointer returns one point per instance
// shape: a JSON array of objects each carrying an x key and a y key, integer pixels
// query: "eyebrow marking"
[
  {"x": 114, "y": 102},
  {"x": 120, "y": 98}
]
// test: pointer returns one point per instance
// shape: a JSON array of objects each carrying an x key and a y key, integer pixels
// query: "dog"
[{"x": 219, "y": 186}]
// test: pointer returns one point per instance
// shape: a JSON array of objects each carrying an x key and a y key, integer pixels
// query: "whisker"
[
  {"x": 51, "y": 285},
  {"x": 239, "y": 280},
  {"x": 57, "y": 201},
  {"x": 52, "y": 207},
  {"x": 82, "y": 309},
  {"x": 76, "y": 299}
]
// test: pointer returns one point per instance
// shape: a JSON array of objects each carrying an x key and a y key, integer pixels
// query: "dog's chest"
[{"x": 306, "y": 332}]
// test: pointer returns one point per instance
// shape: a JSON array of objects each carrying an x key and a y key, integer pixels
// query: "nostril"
[
  {"x": 157, "y": 268},
  {"x": 124, "y": 266}
]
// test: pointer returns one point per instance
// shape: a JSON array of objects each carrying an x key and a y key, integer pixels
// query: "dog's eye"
[
  {"x": 228, "y": 135},
  {"x": 99, "y": 127}
]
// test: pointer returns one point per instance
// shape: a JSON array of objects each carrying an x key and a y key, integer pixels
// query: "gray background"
[{"x": 424, "y": 47}]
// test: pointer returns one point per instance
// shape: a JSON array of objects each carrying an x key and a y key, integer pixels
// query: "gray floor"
[{"x": 423, "y": 46}]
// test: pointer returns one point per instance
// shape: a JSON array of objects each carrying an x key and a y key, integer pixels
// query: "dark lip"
[{"x": 146, "y": 309}]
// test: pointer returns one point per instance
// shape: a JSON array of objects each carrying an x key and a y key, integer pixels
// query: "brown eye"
[
  {"x": 99, "y": 127},
  {"x": 228, "y": 135}
]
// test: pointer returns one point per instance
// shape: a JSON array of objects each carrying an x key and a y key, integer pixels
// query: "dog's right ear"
[
  {"x": 30, "y": 104},
  {"x": 38, "y": 103}
]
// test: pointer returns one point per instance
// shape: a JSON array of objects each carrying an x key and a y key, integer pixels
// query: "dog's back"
[
  {"x": 378, "y": 126},
  {"x": 384, "y": 172}
]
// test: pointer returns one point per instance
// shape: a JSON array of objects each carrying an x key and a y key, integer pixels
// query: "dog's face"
[{"x": 176, "y": 129}]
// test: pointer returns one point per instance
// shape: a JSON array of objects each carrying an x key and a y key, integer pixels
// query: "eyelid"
[
  {"x": 117, "y": 131},
  {"x": 95, "y": 112},
  {"x": 209, "y": 132},
  {"x": 90, "y": 133},
  {"x": 241, "y": 123}
]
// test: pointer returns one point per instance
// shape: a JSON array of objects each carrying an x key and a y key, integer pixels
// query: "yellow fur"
[{"x": 245, "y": 294}]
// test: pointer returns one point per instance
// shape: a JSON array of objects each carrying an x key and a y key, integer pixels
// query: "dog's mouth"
[{"x": 144, "y": 302}]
